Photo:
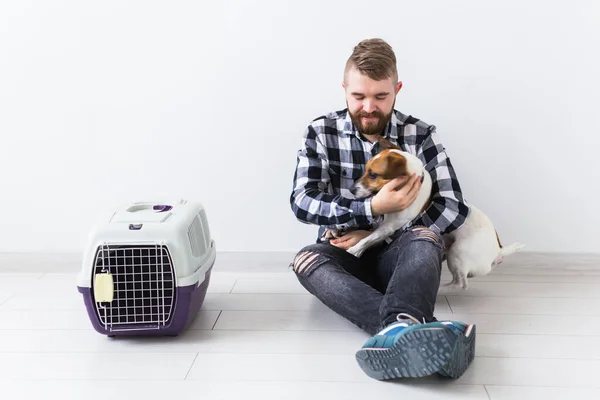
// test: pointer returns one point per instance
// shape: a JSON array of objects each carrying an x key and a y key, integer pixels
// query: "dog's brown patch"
[
  {"x": 498, "y": 239},
  {"x": 386, "y": 144},
  {"x": 381, "y": 169},
  {"x": 396, "y": 166}
]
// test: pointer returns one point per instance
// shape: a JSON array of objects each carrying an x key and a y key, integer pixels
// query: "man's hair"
[{"x": 374, "y": 58}]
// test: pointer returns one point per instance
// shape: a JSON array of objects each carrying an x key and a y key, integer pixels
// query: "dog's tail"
[
  {"x": 512, "y": 248},
  {"x": 506, "y": 251}
]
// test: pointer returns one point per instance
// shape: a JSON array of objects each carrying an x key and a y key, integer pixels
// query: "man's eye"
[
  {"x": 359, "y": 97},
  {"x": 380, "y": 97}
]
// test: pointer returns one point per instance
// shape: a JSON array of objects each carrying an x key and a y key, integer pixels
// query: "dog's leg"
[
  {"x": 331, "y": 233},
  {"x": 384, "y": 231},
  {"x": 378, "y": 236},
  {"x": 458, "y": 280},
  {"x": 463, "y": 282}
]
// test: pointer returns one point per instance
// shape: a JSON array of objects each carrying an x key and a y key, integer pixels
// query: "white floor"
[{"x": 261, "y": 336}]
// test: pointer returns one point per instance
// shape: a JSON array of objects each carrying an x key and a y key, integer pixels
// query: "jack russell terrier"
[{"x": 472, "y": 250}]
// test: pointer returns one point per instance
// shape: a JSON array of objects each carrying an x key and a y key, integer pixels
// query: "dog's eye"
[{"x": 372, "y": 175}]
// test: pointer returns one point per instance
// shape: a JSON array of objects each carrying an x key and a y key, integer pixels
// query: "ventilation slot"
[
  {"x": 195, "y": 235},
  {"x": 206, "y": 228}
]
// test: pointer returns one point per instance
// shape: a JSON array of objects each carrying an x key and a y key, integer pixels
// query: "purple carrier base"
[{"x": 188, "y": 301}]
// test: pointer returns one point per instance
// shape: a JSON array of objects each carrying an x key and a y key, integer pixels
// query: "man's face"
[{"x": 370, "y": 102}]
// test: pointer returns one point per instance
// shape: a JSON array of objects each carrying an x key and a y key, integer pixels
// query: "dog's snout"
[{"x": 359, "y": 191}]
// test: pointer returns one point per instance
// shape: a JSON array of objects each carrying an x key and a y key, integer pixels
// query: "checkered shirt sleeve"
[
  {"x": 448, "y": 210},
  {"x": 313, "y": 200}
]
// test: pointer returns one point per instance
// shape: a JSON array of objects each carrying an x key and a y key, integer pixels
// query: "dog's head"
[{"x": 389, "y": 164}]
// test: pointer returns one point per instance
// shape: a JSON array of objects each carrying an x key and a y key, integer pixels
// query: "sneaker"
[
  {"x": 464, "y": 351},
  {"x": 409, "y": 348}
]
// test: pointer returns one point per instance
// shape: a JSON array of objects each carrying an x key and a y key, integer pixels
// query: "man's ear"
[
  {"x": 386, "y": 144},
  {"x": 398, "y": 87}
]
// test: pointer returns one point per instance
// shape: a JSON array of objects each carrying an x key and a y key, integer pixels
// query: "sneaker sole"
[
  {"x": 417, "y": 353},
  {"x": 464, "y": 354}
]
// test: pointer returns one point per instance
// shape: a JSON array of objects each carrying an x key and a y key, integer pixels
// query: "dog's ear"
[
  {"x": 386, "y": 144},
  {"x": 396, "y": 166}
]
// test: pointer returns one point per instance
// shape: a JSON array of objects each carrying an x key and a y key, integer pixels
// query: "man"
[{"x": 390, "y": 291}]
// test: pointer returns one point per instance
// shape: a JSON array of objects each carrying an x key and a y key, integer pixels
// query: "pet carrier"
[{"x": 146, "y": 268}]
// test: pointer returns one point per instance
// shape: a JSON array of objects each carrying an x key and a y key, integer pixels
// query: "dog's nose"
[{"x": 353, "y": 190}]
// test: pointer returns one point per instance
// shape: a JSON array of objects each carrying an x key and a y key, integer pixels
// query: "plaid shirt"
[{"x": 334, "y": 155}]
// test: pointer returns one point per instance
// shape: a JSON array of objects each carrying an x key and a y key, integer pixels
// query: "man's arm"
[
  {"x": 310, "y": 201},
  {"x": 448, "y": 210}
]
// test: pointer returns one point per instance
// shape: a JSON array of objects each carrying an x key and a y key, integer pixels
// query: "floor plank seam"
[
  {"x": 233, "y": 286},
  {"x": 448, "y": 302},
  {"x": 216, "y": 320},
  {"x": 487, "y": 392},
  {"x": 191, "y": 366}
]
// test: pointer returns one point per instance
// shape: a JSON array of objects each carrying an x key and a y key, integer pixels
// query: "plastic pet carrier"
[{"x": 146, "y": 268}]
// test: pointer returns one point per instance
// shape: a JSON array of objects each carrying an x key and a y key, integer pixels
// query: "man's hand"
[
  {"x": 391, "y": 200},
  {"x": 350, "y": 239}
]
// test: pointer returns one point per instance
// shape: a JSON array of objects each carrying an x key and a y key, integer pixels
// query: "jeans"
[{"x": 400, "y": 277}]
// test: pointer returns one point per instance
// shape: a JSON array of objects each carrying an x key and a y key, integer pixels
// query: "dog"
[{"x": 472, "y": 250}]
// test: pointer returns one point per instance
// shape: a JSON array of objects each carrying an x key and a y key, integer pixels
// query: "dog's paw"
[
  {"x": 459, "y": 281},
  {"x": 356, "y": 251},
  {"x": 331, "y": 234},
  {"x": 456, "y": 286}
]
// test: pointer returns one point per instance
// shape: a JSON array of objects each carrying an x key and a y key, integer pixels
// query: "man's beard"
[{"x": 370, "y": 128}]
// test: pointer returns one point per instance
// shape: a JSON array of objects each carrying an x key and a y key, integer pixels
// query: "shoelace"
[{"x": 402, "y": 316}]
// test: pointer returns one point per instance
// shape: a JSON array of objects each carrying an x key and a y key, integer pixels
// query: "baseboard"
[{"x": 278, "y": 261}]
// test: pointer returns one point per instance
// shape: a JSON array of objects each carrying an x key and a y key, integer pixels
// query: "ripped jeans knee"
[
  {"x": 424, "y": 233},
  {"x": 421, "y": 233},
  {"x": 308, "y": 259}
]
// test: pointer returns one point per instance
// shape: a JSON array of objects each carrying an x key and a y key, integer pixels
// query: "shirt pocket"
[{"x": 345, "y": 175}]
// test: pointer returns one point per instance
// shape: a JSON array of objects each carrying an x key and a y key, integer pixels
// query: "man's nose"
[{"x": 369, "y": 106}]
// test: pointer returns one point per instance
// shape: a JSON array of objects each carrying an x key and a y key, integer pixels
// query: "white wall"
[{"x": 106, "y": 102}]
